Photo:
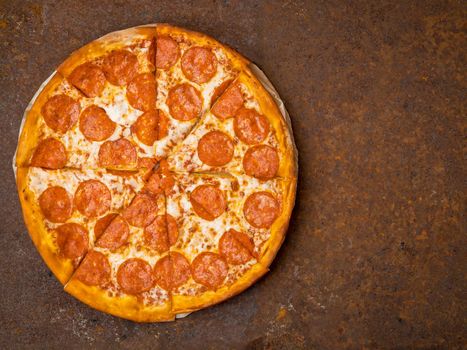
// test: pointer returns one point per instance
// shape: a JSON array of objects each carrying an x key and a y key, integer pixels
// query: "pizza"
[{"x": 156, "y": 173}]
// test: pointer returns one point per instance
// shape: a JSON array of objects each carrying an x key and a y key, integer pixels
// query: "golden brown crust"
[
  {"x": 103, "y": 45},
  {"x": 61, "y": 268},
  {"x": 125, "y": 306},
  {"x": 238, "y": 61},
  {"x": 279, "y": 228},
  {"x": 182, "y": 303},
  {"x": 31, "y": 130}
]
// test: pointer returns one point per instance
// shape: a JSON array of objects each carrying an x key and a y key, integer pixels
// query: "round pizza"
[{"x": 156, "y": 173}]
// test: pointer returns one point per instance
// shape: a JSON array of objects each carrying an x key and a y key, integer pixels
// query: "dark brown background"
[{"x": 375, "y": 253}]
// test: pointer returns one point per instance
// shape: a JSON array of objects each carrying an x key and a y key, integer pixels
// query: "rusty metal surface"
[{"x": 375, "y": 254}]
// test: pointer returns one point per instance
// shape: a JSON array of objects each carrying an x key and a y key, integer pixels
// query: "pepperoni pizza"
[{"x": 156, "y": 173}]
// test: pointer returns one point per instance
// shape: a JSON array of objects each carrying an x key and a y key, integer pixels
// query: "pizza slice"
[
  {"x": 218, "y": 252},
  {"x": 99, "y": 109},
  {"x": 192, "y": 71},
  {"x": 243, "y": 133},
  {"x": 120, "y": 274},
  {"x": 65, "y": 209}
]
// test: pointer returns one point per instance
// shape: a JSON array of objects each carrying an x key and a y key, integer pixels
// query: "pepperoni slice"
[
  {"x": 120, "y": 67},
  {"x": 236, "y": 247},
  {"x": 208, "y": 202},
  {"x": 161, "y": 233},
  {"x": 102, "y": 224},
  {"x": 199, "y": 64},
  {"x": 261, "y": 209},
  {"x": 141, "y": 92},
  {"x": 215, "y": 148},
  {"x": 161, "y": 181},
  {"x": 115, "y": 235},
  {"x": 94, "y": 270},
  {"x": 250, "y": 126},
  {"x": 135, "y": 276},
  {"x": 95, "y": 124},
  {"x": 184, "y": 102},
  {"x": 142, "y": 210},
  {"x": 89, "y": 79},
  {"x": 92, "y": 198},
  {"x": 229, "y": 103},
  {"x": 172, "y": 271},
  {"x": 56, "y": 204},
  {"x": 60, "y": 113},
  {"x": 261, "y": 161},
  {"x": 167, "y": 52},
  {"x": 119, "y": 153},
  {"x": 146, "y": 128},
  {"x": 209, "y": 269},
  {"x": 72, "y": 240},
  {"x": 50, "y": 154}
]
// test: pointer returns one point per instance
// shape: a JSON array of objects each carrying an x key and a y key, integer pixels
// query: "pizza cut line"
[{"x": 156, "y": 174}]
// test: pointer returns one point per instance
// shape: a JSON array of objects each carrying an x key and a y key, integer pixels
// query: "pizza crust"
[
  {"x": 279, "y": 228},
  {"x": 125, "y": 306}
]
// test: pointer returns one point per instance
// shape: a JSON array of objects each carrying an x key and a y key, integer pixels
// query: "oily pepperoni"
[
  {"x": 199, "y": 64},
  {"x": 146, "y": 163},
  {"x": 250, "y": 126},
  {"x": 215, "y": 148},
  {"x": 141, "y": 92},
  {"x": 161, "y": 181},
  {"x": 72, "y": 240},
  {"x": 115, "y": 235},
  {"x": 229, "y": 103},
  {"x": 102, "y": 224},
  {"x": 89, "y": 79},
  {"x": 49, "y": 154},
  {"x": 167, "y": 52},
  {"x": 146, "y": 127},
  {"x": 208, "y": 202},
  {"x": 261, "y": 209},
  {"x": 92, "y": 198},
  {"x": 261, "y": 161},
  {"x": 184, "y": 102},
  {"x": 94, "y": 270},
  {"x": 60, "y": 113},
  {"x": 120, "y": 67},
  {"x": 236, "y": 247},
  {"x": 142, "y": 210},
  {"x": 95, "y": 124},
  {"x": 119, "y": 153},
  {"x": 161, "y": 233},
  {"x": 135, "y": 276},
  {"x": 56, "y": 204},
  {"x": 209, "y": 269},
  {"x": 172, "y": 271}
]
